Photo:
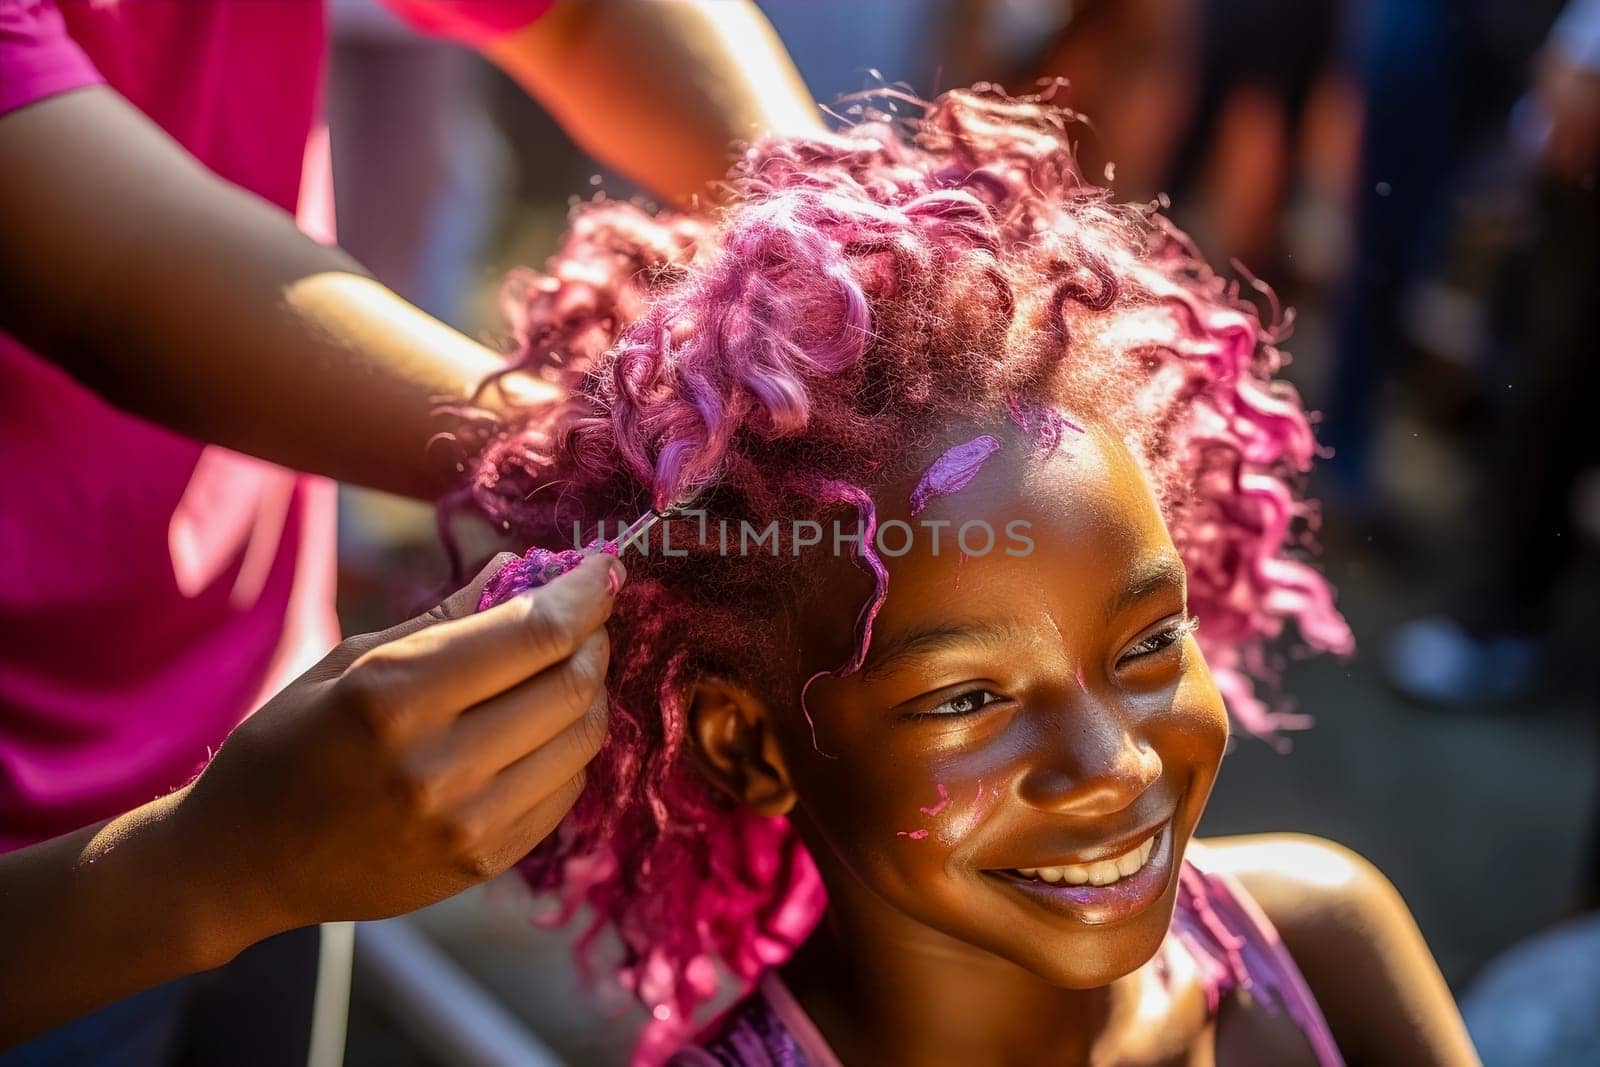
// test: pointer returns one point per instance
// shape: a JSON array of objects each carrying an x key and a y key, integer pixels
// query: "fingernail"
[{"x": 616, "y": 576}]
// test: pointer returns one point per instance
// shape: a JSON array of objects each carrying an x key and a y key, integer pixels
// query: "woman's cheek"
[
  {"x": 970, "y": 804},
  {"x": 928, "y": 816},
  {"x": 1198, "y": 718}
]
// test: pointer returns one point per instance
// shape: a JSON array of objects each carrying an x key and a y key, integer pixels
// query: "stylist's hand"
[{"x": 411, "y": 764}]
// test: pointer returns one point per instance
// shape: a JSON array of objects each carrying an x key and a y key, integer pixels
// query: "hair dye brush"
[{"x": 540, "y": 566}]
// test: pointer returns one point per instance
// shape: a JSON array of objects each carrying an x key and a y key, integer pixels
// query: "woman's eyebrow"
[
  {"x": 927, "y": 640},
  {"x": 1153, "y": 574}
]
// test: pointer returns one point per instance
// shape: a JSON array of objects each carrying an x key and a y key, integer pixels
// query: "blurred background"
[{"x": 1417, "y": 181}]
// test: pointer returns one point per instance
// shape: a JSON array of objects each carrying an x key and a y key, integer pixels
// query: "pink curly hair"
[{"x": 786, "y": 351}]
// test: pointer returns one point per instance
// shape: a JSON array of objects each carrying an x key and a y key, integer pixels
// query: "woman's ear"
[{"x": 738, "y": 746}]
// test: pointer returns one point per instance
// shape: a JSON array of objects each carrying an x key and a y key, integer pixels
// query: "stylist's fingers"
[
  {"x": 529, "y": 785},
  {"x": 444, "y": 669},
  {"x": 457, "y": 605},
  {"x": 525, "y": 832},
  {"x": 492, "y": 735}
]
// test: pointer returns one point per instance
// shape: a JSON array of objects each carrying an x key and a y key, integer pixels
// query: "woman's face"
[{"x": 1028, "y": 747}]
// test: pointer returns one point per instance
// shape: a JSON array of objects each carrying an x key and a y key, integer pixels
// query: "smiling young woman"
[{"x": 936, "y": 805}]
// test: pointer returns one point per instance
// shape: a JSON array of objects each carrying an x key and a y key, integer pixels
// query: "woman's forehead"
[
  {"x": 1089, "y": 476},
  {"x": 1082, "y": 514}
]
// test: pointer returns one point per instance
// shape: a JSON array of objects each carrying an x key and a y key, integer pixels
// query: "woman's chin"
[{"x": 1093, "y": 966}]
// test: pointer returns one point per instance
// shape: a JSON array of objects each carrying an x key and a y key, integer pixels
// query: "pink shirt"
[{"x": 153, "y": 590}]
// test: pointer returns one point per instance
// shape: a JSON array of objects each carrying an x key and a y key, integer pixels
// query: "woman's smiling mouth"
[
  {"x": 1103, "y": 872},
  {"x": 1105, "y": 891}
]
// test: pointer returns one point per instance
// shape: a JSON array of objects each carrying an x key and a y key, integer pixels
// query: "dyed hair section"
[
  {"x": 812, "y": 336},
  {"x": 953, "y": 470}
]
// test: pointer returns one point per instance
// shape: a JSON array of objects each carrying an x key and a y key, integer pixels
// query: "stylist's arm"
[
  {"x": 403, "y": 768},
  {"x": 197, "y": 305}
]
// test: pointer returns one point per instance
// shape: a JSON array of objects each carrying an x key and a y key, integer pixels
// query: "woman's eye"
[
  {"x": 965, "y": 704},
  {"x": 1165, "y": 639}
]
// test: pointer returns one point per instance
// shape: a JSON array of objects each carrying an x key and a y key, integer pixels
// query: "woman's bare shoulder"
[
  {"x": 1353, "y": 937},
  {"x": 1302, "y": 880}
]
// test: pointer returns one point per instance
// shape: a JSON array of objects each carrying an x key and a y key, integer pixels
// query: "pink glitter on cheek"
[
  {"x": 957, "y": 825},
  {"x": 944, "y": 801},
  {"x": 915, "y": 835}
]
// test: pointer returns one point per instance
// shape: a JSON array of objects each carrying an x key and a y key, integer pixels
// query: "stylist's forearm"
[
  {"x": 109, "y": 910},
  {"x": 193, "y": 303},
  {"x": 659, "y": 89}
]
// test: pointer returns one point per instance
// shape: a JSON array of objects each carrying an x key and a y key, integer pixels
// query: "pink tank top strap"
[{"x": 1237, "y": 947}]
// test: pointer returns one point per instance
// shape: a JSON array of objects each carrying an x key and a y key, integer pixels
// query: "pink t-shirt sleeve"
[
  {"x": 472, "y": 22},
  {"x": 37, "y": 57}
]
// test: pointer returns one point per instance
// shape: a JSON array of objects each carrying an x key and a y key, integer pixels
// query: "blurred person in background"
[
  {"x": 163, "y": 314},
  {"x": 843, "y": 48},
  {"x": 1227, "y": 106},
  {"x": 1265, "y": 74},
  {"x": 1130, "y": 71},
  {"x": 1487, "y": 649},
  {"x": 1439, "y": 80},
  {"x": 1534, "y": 1006}
]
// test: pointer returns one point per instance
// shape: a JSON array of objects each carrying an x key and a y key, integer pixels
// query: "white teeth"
[{"x": 1101, "y": 872}]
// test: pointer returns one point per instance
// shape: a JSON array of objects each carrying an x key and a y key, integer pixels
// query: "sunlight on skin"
[
  {"x": 1311, "y": 862},
  {"x": 365, "y": 315}
]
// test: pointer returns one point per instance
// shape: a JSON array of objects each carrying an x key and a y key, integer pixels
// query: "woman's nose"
[{"x": 1090, "y": 769}]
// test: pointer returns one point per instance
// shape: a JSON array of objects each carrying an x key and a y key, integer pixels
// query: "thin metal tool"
[
  {"x": 560, "y": 563},
  {"x": 540, "y": 566},
  {"x": 640, "y": 527}
]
